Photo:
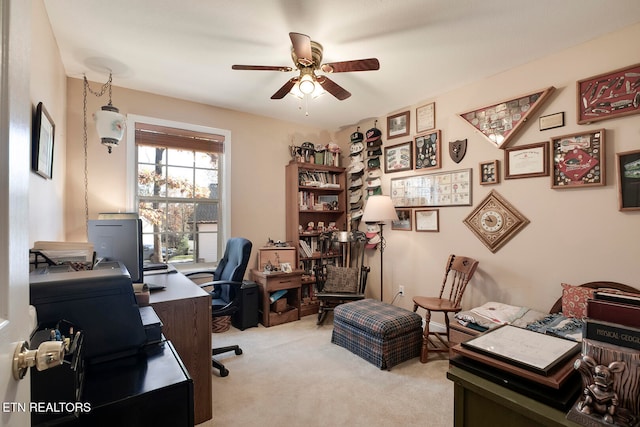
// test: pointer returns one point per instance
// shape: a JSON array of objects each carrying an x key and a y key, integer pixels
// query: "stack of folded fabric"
[{"x": 356, "y": 172}]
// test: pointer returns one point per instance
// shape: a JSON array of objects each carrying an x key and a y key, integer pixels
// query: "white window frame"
[{"x": 224, "y": 232}]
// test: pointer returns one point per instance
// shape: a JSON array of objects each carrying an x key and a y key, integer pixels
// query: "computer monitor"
[{"x": 119, "y": 240}]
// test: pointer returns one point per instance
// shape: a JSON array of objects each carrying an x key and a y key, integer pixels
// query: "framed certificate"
[
  {"x": 527, "y": 161},
  {"x": 426, "y": 117},
  {"x": 427, "y": 219}
]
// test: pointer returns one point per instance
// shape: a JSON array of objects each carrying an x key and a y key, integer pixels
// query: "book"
[
  {"x": 625, "y": 298},
  {"x": 612, "y": 333},
  {"x": 306, "y": 248},
  {"x": 614, "y": 312},
  {"x": 277, "y": 295}
]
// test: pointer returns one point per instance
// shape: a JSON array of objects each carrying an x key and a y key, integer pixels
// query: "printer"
[
  {"x": 101, "y": 303},
  {"x": 119, "y": 365}
]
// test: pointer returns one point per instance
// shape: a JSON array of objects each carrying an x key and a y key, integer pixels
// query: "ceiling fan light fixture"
[{"x": 306, "y": 85}]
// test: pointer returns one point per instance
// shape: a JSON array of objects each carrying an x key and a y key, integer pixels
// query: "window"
[{"x": 178, "y": 193}]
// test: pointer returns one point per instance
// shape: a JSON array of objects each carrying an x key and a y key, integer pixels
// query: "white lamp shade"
[
  {"x": 110, "y": 125},
  {"x": 379, "y": 209}
]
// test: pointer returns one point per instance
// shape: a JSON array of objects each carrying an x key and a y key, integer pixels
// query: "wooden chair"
[
  {"x": 341, "y": 275},
  {"x": 458, "y": 272}
]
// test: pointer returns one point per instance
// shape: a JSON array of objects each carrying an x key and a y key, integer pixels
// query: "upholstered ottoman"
[{"x": 378, "y": 332}]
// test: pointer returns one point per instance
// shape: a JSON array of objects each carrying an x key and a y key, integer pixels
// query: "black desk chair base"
[{"x": 219, "y": 366}]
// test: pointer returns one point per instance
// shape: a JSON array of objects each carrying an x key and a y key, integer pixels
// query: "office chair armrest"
[
  {"x": 233, "y": 305},
  {"x": 227, "y": 310},
  {"x": 220, "y": 282},
  {"x": 202, "y": 273}
]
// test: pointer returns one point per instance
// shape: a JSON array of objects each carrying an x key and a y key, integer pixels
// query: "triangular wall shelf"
[{"x": 501, "y": 121}]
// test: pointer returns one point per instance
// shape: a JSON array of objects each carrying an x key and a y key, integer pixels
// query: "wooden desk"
[
  {"x": 268, "y": 283},
  {"x": 185, "y": 311}
]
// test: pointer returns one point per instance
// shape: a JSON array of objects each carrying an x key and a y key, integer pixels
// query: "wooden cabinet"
[
  {"x": 480, "y": 402},
  {"x": 185, "y": 311},
  {"x": 268, "y": 283},
  {"x": 314, "y": 194}
]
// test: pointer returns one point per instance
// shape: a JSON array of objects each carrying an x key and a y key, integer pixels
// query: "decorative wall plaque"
[
  {"x": 457, "y": 149},
  {"x": 500, "y": 122},
  {"x": 578, "y": 160}
]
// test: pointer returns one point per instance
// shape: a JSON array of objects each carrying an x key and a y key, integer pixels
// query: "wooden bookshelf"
[{"x": 308, "y": 186}]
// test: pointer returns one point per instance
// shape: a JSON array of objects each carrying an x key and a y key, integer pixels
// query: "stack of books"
[
  {"x": 614, "y": 319},
  {"x": 305, "y": 249}
]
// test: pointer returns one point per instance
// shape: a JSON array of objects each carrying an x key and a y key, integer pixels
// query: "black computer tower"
[{"x": 247, "y": 315}]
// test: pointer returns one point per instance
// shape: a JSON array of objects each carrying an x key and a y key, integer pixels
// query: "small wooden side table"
[{"x": 271, "y": 282}]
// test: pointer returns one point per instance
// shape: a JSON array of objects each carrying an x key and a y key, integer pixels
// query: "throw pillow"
[
  {"x": 574, "y": 300},
  {"x": 341, "y": 279}
]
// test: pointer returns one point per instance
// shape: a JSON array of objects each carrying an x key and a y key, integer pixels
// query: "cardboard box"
[{"x": 276, "y": 256}]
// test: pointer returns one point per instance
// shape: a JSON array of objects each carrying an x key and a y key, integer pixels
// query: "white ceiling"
[{"x": 185, "y": 49}]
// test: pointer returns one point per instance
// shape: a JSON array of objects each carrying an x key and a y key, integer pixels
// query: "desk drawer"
[
  {"x": 288, "y": 315},
  {"x": 278, "y": 283}
]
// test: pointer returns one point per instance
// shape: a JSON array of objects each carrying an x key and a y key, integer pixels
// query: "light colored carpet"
[{"x": 292, "y": 375}]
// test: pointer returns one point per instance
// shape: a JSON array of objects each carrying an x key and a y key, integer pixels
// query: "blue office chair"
[{"x": 226, "y": 282}]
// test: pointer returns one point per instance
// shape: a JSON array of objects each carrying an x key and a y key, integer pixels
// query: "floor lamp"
[{"x": 378, "y": 210}]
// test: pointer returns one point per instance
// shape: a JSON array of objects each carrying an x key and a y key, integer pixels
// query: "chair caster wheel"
[
  {"x": 238, "y": 352},
  {"x": 224, "y": 372}
]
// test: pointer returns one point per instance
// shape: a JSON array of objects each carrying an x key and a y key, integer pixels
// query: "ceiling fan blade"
[
  {"x": 333, "y": 88},
  {"x": 261, "y": 68},
  {"x": 302, "y": 48},
  {"x": 284, "y": 90},
  {"x": 369, "y": 64}
]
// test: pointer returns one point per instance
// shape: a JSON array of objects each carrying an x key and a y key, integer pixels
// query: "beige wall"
[
  {"x": 575, "y": 235},
  {"x": 48, "y": 85},
  {"x": 259, "y": 152}
]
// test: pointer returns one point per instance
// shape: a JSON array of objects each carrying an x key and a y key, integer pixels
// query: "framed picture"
[
  {"x": 501, "y": 121},
  {"x": 578, "y": 159},
  {"x": 42, "y": 143},
  {"x": 398, "y": 158},
  {"x": 551, "y": 121},
  {"x": 426, "y": 117},
  {"x": 427, "y": 219},
  {"x": 427, "y": 150},
  {"x": 398, "y": 125},
  {"x": 489, "y": 172},
  {"x": 452, "y": 188},
  {"x": 404, "y": 220},
  {"x": 628, "y": 164},
  {"x": 527, "y": 161},
  {"x": 605, "y": 96}
]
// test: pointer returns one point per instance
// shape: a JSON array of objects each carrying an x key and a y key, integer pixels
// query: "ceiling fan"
[{"x": 307, "y": 58}]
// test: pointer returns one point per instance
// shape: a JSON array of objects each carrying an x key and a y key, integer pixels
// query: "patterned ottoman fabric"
[{"x": 380, "y": 333}]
